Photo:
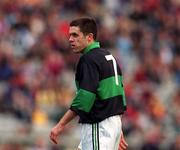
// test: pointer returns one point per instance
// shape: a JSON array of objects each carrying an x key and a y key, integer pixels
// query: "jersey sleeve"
[{"x": 88, "y": 79}]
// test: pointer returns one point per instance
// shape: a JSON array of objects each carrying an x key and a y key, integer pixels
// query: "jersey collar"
[{"x": 91, "y": 46}]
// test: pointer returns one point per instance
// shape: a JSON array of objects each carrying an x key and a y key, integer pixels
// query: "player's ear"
[{"x": 90, "y": 37}]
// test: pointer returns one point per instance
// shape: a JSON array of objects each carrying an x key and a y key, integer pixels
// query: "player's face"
[{"x": 78, "y": 41}]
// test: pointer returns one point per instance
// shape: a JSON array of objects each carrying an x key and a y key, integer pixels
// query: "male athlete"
[{"x": 100, "y": 99}]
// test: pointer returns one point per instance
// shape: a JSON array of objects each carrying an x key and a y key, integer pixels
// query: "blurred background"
[{"x": 37, "y": 69}]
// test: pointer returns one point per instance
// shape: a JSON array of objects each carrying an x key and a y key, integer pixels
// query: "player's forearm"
[{"x": 68, "y": 116}]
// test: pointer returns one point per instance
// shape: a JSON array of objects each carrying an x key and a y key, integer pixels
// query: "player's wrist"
[{"x": 59, "y": 127}]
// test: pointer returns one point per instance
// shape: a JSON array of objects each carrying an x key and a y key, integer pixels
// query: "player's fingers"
[
  {"x": 123, "y": 146},
  {"x": 124, "y": 142},
  {"x": 54, "y": 141},
  {"x": 53, "y": 138}
]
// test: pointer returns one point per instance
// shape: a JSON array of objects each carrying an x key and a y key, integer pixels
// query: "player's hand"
[
  {"x": 55, "y": 132},
  {"x": 123, "y": 144}
]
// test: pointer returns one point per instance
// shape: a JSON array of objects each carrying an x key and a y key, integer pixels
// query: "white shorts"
[{"x": 104, "y": 135}]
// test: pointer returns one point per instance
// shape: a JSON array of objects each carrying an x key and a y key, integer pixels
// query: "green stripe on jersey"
[
  {"x": 108, "y": 88},
  {"x": 84, "y": 100}
]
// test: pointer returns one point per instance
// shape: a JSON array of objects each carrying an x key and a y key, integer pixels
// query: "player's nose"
[{"x": 71, "y": 39}]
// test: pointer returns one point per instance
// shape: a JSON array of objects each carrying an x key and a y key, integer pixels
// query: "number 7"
[{"x": 108, "y": 58}]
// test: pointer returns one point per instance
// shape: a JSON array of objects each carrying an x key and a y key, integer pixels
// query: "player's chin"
[{"x": 75, "y": 51}]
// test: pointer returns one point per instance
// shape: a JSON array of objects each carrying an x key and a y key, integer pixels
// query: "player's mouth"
[{"x": 72, "y": 46}]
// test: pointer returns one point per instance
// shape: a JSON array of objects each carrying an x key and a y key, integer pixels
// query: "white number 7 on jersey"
[{"x": 108, "y": 58}]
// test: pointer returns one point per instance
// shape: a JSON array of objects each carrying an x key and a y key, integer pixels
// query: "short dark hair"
[{"x": 86, "y": 24}]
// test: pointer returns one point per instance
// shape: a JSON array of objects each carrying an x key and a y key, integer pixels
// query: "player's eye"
[{"x": 74, "y": 35}]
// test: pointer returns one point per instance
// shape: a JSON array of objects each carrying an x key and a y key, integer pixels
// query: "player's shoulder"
[{"x": 95, "y": 54}]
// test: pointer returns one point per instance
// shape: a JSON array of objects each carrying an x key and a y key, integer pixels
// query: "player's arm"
[
  {"x": 57, "y": 130},
  {"x": 87, "y": 86},
  {"x": 122, "y": 143}
]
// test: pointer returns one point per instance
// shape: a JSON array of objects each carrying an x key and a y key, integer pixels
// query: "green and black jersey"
[{"x": 100, "y": 92}]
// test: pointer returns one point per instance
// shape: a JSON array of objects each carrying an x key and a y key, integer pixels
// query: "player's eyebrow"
[{"x": 73, "y": 34}]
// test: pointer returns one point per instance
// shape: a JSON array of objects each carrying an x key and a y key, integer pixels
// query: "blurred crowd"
[{"x": 37, "y": 65}]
